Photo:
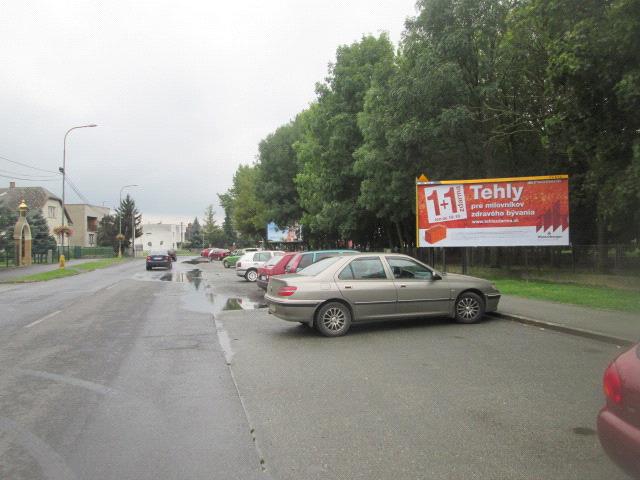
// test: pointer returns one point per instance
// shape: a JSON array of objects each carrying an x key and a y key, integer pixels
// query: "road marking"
[
  {"x": 52, "y": 464},
  {"x": 111, "y": 286},
  {"x": 52, "y": 314}
]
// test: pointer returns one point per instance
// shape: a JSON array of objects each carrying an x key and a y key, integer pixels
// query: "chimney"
[{"x": 12, "y": 184}]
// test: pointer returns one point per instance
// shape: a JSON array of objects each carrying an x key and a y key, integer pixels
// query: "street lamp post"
[
  {"x": 120, "y": 222},
  {"x": 64, "y": 173}
]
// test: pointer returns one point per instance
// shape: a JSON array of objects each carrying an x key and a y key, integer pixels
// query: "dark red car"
[
  {"x": 619, "y": 419},
  {"x": 275, "y": 266},
  {"x": 205, "y": 252},
  {"x": 218, "y": 253}
]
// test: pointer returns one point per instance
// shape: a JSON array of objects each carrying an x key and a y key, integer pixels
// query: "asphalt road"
[{"x": 122, "y": 373}]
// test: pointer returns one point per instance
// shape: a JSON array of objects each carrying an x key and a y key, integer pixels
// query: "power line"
[
  {"x": 35, "y": 177},
  {"x": 25, "y": 165},
  {"x": 77, "y": 190},
  {"x": 29, "y": 179}
]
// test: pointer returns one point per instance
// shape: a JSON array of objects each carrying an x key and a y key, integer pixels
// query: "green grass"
[
  {"x": 44, "y": 276},
  {"x": 69, "y": 271},
  {"x": 584, "y": 295},
  {"x": 90, "y": 266}
]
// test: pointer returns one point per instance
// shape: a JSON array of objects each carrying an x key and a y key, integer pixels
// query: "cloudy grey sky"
[{"x": 182, "y": 91}]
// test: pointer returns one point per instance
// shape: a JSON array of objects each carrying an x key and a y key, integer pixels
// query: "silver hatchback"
[{"x": 337, "y": 291}]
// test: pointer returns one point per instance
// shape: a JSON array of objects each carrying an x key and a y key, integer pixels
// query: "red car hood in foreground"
[{"x": 619, "y": 419}]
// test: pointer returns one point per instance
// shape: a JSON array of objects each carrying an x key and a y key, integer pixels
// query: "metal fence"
[
  {"x": 52, "y": 256},
  {"x": 616, "y": 259}
]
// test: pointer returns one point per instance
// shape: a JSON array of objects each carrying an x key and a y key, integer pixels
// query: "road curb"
[{"x": 564, "y": 329}]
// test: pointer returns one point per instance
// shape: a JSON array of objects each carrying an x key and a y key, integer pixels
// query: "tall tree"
[
  {"x": 131, "y": 219},
  {"x": 248, "y": 212},
  {"x": 327, "y": 183},
  {"x": 213, "y": 234},
  {"x": 8, "y": 220},
  {"x": 107, "y": 232},
  {"x": 227, "y": 225},
  {"x": 195, "y": 234},
  {"x": 278, "y": 168},
  {"x": 42, "y": 240}
]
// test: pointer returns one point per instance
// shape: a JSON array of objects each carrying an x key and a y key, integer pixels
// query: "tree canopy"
[{"x": 475, "y": 89}]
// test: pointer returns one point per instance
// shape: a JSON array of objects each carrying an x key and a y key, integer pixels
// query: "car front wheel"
[
  {"x": 226, "y": 264},
  {"x": 469, "y": 308},
  {"x": 251, "y": 276},
  {"x": 333, "y": 319}
]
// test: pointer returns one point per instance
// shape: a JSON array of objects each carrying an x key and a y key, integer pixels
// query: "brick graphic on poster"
[{"x": 435, "y": 234}]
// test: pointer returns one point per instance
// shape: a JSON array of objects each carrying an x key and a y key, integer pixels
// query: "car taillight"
[
  {"x": 238, "y": 264},
  {"x": 612, "y": 385},
  {"x": 287, "y": 291},
  {"x": 148, "y": 257}
]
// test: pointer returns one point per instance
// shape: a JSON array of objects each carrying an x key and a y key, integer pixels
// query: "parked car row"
[{"x": 215, "y": 253}]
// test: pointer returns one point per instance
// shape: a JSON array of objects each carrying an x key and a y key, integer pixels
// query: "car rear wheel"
[
  {"x": 148, "y": 267},
  {"x": 251, "y": 275},
  {"x": 226, "y": 264},
  {"x": 333, "y": 319},
  {"x": 469, "y": 308}
]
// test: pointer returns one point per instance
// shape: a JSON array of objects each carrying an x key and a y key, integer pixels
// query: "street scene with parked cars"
[
  {"x": 193, "y": 340},
  {"x": 393, "y": 240}
]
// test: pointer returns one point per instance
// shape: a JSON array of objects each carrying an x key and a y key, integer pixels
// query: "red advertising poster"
[{"x": 493, "y": 212}]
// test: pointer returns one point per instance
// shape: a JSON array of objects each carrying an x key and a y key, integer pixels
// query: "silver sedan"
[{"x": 337, "y": 291}]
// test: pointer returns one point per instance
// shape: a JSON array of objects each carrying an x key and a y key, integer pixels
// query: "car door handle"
[
  {"x": 347, "y": 286},
  {"x": 402, "y": 285}
]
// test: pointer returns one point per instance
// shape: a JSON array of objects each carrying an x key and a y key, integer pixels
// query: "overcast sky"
[{"x": 182, "y": 93}]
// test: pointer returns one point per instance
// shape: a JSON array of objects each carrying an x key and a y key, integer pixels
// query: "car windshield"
[{"x": 318, "y": 267}]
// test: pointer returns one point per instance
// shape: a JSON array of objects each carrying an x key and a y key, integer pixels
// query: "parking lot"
[{"x": 416, "y": 399}]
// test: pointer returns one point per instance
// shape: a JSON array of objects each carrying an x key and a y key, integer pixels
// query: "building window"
[
  {"x": 92, "y": 239},
  {"x": 52, "y": 212}
]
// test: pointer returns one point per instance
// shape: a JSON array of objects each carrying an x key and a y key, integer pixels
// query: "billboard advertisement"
[
  {"x": 286, "y": 235},
  {"x": 497, "y": 212}
]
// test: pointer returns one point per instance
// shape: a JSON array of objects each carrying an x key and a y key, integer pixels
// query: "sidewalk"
[
  {"x": 7, "y": 274},
  {"x": 605, "y": 325}
]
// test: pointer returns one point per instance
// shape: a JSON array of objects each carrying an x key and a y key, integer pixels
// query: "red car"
[
  {"x": 275, "y": 266},
  {"x": 218, "y": 253},
  {"x": 205, "y": 252},
  {"x": 619, "y": 419},
  {"x": 304, "y": 259}
]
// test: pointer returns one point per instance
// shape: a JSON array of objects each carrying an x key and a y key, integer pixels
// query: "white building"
[{"x": 159, "y": 236}]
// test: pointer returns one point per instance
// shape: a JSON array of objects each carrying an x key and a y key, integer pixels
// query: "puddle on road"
[
  {"x": 217, "y": 301},
  {"x": 193, "y": 277}
]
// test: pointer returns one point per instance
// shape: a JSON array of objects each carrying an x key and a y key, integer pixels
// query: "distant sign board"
[
  {"x": 493, "y": 212},
  {"x": 286, "y": 235}
]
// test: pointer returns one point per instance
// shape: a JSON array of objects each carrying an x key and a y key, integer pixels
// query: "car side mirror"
[{"x": 436, "y": 276}]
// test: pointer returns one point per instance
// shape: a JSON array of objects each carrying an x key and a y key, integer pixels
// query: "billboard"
[
  {"x": 497, "y": 212},
  {"x": 288, "y": 234}
]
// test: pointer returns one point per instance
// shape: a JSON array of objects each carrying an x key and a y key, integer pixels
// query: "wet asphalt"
[{"x": 122, "y": 373}]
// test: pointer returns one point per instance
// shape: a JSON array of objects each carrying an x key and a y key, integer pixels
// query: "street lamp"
[
  {"x": 120, "y": 222},
  {"x": 64, "y": 173}
]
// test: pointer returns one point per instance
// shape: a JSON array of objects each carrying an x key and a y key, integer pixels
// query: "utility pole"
[
  {"x": 133, "y": 234},
  {"x": 63, "y": 170}
]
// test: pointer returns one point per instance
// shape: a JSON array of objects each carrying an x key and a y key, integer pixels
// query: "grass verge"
[
  {"x": 67, "y": 272},
  {"x": 583, "y": 295}
]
